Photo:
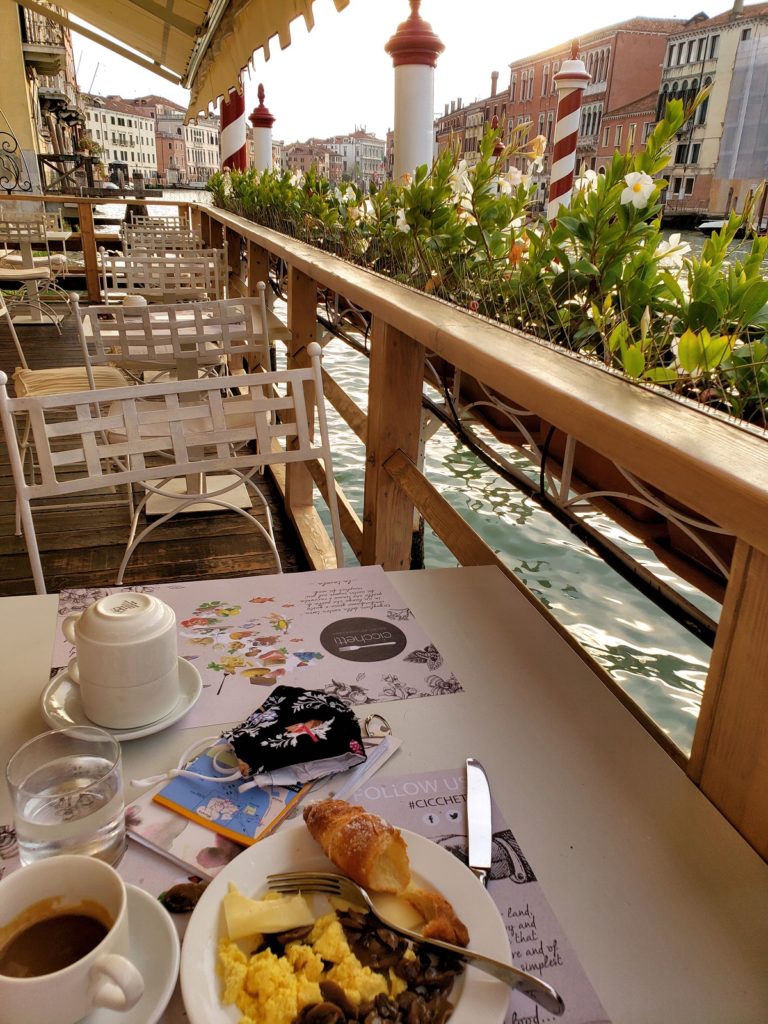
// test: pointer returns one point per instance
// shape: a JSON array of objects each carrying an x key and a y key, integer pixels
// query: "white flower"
[
  {"x": 587, "y": 181},
  {"x": 460, "y": 182},
  {"x": 670, "y": 252},
  {"x": 402, "y": 223},
  {"x": 510, "y": 181},
  {"x": 639, "y": 188},
  {"x": 353, "y": 212}
]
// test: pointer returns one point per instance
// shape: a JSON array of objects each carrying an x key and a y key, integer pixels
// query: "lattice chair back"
[
  {"x": 148, "y": 434},
  {"x": 141, "y": 220},
  {"x": 182, "y": 277},
  {"x": 159, "y": 240},
  {"x": 184, "y": 339}
]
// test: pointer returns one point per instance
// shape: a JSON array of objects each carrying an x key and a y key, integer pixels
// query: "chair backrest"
[
  {"x": 180, "y": 277},
  {"x": 159, "y": 240},
  {"x": 147, "y": 220},
  {"x": 29, "y": 228},
  {"x": 183, "y": 337},
  {"x": 95, "y": 439}
]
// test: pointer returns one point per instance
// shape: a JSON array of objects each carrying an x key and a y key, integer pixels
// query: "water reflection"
[{"x": 654, "y": 659}]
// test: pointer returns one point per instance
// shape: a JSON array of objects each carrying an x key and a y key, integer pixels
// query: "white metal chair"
[
  {"x": 19, "y": 236},
  {"x": 181, "y": 277},
  {"x": 159, "y": 240},
  {"x": 164, "y": 221},
  {"x": 183, "y": 340},
  {"x": 192, "y": 428}
]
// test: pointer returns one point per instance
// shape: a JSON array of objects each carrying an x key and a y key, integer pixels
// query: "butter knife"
[{"x": 479, "y": 820}]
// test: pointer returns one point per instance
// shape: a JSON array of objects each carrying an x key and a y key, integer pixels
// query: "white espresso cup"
[
  {"x": 127, "y": 663},
  {"x": 32, "y": 898}
]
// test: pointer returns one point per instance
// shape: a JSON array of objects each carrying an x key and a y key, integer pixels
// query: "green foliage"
[{"x": 600, "y": 279}]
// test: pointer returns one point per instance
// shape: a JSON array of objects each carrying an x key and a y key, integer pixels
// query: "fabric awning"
[{"x": 201, "y": 44}]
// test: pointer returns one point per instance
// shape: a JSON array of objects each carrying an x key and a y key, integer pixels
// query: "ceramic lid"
[{"x": 124, "y": 618}]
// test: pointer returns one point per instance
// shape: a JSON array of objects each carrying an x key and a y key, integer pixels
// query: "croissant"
[
  {"x": 373, "y": 853},
  {"x": 441, "y": 920},
  {"x": 364, "y": 846}
]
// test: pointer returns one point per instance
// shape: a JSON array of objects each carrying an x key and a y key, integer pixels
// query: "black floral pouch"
[{"x": 297, "y": 734}]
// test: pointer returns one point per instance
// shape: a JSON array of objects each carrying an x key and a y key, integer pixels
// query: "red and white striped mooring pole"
[
  {"x": 571, "y": 81},
  {"x": 232, "y": 141}
]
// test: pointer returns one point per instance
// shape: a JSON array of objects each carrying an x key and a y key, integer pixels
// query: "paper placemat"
[{"x": 343, "y": 631}]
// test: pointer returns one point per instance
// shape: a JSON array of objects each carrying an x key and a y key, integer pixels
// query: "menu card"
[
  {"x": 344, "y": 631},
  {"x": 434, "y": 805}
]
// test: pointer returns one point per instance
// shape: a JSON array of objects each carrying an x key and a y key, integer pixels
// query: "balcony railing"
[{"x": 703, "y": 463}]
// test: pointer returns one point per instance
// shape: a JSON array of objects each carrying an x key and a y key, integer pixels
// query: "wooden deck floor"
[{"x": 84, "y": 548}]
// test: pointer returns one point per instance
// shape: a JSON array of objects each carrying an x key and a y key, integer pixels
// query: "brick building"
[{"x": 626, "y": 128}]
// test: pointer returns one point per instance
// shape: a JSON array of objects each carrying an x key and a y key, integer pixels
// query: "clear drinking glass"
[{"x": 67, "y": 793}]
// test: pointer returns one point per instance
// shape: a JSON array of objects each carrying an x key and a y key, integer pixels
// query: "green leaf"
[
  {"x": 703, "y": 314},
  {"x": 633, "y": 360},
  {"x": 690, "y": 352},
  {"x": 661, "y": 375}
]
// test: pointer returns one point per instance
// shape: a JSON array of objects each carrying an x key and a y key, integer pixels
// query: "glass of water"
[{"x": 67, "y": 793}]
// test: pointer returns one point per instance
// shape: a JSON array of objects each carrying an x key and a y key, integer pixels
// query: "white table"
[{"x": 665, "y": 905}]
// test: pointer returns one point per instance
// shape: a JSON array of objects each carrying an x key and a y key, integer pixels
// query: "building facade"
[
  {"x": 722, "y": 151},
  {"x": 125, "y": 131},
  {"x": 626, "y": 129},
  {"x": 363, "y": 157}
]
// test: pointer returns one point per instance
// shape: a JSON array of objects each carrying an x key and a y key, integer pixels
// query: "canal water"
[{"x": 659, "y": 663}]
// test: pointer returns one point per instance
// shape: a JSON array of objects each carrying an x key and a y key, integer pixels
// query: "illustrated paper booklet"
[
  {"x": 221, "y": 807},
  {"x": 168, "y": 819}
]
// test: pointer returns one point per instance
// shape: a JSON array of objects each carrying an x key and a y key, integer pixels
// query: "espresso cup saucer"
[
  {"x": 61, "y": 706},
  {"x": 155, "y": 951}
]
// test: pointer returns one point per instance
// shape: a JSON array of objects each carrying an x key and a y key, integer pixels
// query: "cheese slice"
[{"x": 245, "y": 917}]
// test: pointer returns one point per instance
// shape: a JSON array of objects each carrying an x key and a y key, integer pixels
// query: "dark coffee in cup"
[{"x": 51, "y": 943}]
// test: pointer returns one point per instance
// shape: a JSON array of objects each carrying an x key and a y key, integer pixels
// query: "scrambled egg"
[{"x": 268, "y": 989}]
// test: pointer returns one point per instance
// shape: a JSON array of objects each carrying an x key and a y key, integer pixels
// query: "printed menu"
[{"x": 434, "y": 805}]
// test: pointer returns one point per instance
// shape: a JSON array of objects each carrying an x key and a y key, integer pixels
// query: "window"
[
  {"x": 676, "y": 183},
  {"x": 689, "y": 54},
  {"x": 545, "y": 80},
  {"x": 617, "y": 139},
  {"x": 550, "y": 119},
  {"x": 681, "y": 153},
  {"x": 670, "y": 55},
  {"x": 631, "y": 136},
  {"x": 606, "y": 134},
  {"x": 695, "y": 150},
  {"x": 745, "y": 34},
  {"x": 680, "y": 52},
  {"x": 689, "y": 186},
  {"x": 647, "y": 129},
  {"x": 541, "y": 124},
  {"x": 555, "y": 69},
  {"x": 714, "y": 46},
  {"x": 700, "y": 48},
  {"x": 512, "y": 86}
]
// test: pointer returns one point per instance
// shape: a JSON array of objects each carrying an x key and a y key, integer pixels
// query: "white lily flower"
[
  {"x": 670, "y": 252},
  {"x": 639, "y": 188},
  {"x": 402, "y": 224},
  {"x": 510, "y": 181},
  {"x": 587, "y": 181}
]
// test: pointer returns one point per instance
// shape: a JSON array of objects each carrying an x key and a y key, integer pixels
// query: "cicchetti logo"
[{"x": 362, "y": 639}]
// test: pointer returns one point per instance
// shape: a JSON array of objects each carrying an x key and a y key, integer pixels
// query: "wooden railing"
[{"x": 706, "y": 464}]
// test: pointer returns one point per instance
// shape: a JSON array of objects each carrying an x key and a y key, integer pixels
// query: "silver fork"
[{"x": 331, "y": 884}]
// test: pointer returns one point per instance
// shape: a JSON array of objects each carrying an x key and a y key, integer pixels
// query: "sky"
[{"x": 338, "y": 77}]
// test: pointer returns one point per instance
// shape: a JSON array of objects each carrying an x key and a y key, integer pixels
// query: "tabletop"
[{"x": 664, "y": 903}]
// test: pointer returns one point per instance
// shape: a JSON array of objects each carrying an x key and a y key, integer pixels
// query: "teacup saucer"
[
  {"x": 61, "y": 705},
  {"x": 155, "y": 951}
]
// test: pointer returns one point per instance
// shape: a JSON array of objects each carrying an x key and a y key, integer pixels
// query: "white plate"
[
  {"x": 61, "y": 705},
  {"x": 155, "y": 951},
  {"x": 477, "y": 997}
]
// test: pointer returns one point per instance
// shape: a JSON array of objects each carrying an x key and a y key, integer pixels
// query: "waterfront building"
[
  {"x": 722, "y": 152},
  {"x": 623, "y": 61},
  {"x": 626, "y": 129},
  {"x": 301, "y": 157},
  {"x": 363, "y": 156},
  {"x": 126, "y": 133},
  {"x": 40, "y": 99}
]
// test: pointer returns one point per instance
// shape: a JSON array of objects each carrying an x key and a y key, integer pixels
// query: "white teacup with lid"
[{"x": 127, "y": 664}]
